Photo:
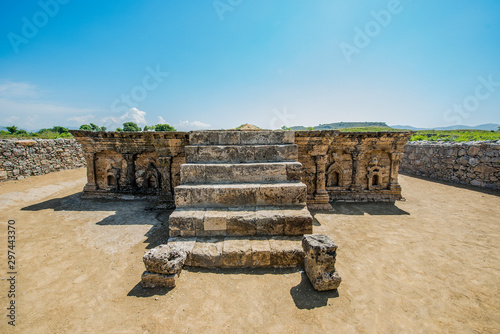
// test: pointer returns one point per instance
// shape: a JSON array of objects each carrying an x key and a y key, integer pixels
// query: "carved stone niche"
[
  {"x": 335, "y": 174},
  {"x": 376, "y": 174},
  {"x": 108, "y": 170},
  {"x": 152, "y": 179},
  {"x": 113, "y": 179}
]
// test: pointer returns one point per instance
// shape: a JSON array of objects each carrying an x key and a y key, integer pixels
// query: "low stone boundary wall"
[
  {"x": 22, "y": 158},
  {"x": 473, "y": 163}
]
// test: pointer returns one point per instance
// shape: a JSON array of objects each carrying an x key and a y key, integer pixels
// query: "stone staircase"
[{"x": 241, "y": 188}]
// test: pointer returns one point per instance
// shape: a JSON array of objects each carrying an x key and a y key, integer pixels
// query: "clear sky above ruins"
[{"x": 270, "y": 63}]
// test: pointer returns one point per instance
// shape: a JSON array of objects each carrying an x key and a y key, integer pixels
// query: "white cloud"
[
  {"x": 14, "y": 90},
  {"x": 195, "y": 125},
  {"x": 161, "y": 120},
  {"x": 133, "y": 115}
]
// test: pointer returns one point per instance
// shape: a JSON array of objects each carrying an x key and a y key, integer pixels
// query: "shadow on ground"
[
  {"x": 139, "y": 291},
  {"x": 305, "y": 297},
  {"x": 370, "y": 208},
  {"x": 122, "y": 212}
]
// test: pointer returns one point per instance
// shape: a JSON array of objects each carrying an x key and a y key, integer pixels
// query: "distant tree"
[
  {"x": 21, "y": 132},
  {"x": 85, "y": 127},
  {"x": 147, "y": 128},
  {"x": 12, "y": 129},
  {"x": 164, "y": 127},
  {"x": 310, "y": 128},
  {"x": 131, "y": 126},
  {"x": 119, "y": 129},
  {"x": 59, "y": 129},
  {"x": 92, "y": 127},
  {"x": 284, "y": 127}
]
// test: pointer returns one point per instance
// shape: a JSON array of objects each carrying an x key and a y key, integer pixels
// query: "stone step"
[
  {"x": 236, "y": 137},
  {"x": 241, "y": 153},
  {"x": 263, "y": 172},
  {"x": 248, "y": 221},
  {"x": 240, "y": 194},
  {"x": 233, "y": 252}
]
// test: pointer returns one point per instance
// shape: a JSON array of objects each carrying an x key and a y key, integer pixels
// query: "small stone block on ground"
[
  {"x": 164, "y": 259},
  {"x": 319, "y": 263},
  {"x": 155, "y": 280}
]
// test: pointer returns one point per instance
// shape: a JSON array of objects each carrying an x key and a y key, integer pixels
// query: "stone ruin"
[{"x": 242, "y": 198}]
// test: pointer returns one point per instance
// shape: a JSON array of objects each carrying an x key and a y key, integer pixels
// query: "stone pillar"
[
  {"x": 393, "y": 176},
  {"x": 356, "y": 170},
  {"x": 321, "y": 200},
  {"x": 130, "y": 172},
  {"x": 166, "y": 197},
  {"x": 91, "y": 177}
]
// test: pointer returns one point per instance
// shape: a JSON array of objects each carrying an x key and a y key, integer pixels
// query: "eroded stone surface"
[
  {"x": 319, "y": 262},
  {"x": 165, "y": 259}
]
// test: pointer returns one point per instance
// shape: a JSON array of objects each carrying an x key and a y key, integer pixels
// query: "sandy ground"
[{"x": 430, "y": 264}]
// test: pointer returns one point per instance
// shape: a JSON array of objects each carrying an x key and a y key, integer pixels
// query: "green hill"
[{"x": 345, "y": 125}]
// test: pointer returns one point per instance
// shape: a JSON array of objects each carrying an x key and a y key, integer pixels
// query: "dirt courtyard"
[{"x": 429, "y": 264}]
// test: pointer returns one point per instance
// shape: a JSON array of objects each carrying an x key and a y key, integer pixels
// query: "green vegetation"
[
  {"x": 164, "y": 127},
  {"x": 92, "y": 127},
  {"x": 370, "y": 129},
  {"x": 131, "y": 126},
  {"x": 455, "y": 135},
  {"x": 53, "y": 133}
]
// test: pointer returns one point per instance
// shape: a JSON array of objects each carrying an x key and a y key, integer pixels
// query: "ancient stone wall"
[
  {"x": 22, "y": 158},
  {"x": 351, "y": 166},
  {"x": 133, "y": 164},
  {"x": 474, "y": 163}
]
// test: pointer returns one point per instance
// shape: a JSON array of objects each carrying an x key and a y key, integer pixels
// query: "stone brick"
[
  {"x": 155, "y": 280},
  {"x": 237, "y": 253},
  {"x": 286, "y": 252}
]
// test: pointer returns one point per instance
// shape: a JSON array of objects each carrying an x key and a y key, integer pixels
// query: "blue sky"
[{"x": 218, "y": 64}]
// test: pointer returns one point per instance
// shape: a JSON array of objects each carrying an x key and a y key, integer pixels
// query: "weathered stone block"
[
  {"x": 155, "y": 280},
  {"x": 298, "y": 221},
  {"x": 241, "y": 222},
  {"x": 261, "y": 252},
  {"x": 286, "y": 252},
  {"x": 319, "y": 262},
  {"x": 282, "y": 194},
  {"x": 164, "y": 259},
  {"x": 236, "y": 253},
  {"x": 215, "y": 220},
  {"x": 207, "y": 253}
]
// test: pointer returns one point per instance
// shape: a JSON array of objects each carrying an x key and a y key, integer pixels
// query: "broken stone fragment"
[
  {"x": 319, "y": 262},
  {"x": 155, "y": 280},
  {"x": 164, "y": 259}
]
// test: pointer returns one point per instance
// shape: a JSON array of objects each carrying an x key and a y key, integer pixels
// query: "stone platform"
[{"x": 245, "y": 188}]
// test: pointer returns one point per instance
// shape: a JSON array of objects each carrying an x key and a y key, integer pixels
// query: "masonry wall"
[
  {"x": 22, "y": 158},
  {"x": 473, "y": 163}
]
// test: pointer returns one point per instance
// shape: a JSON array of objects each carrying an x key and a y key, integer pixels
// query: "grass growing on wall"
[{"x": 455, "y": 135}]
